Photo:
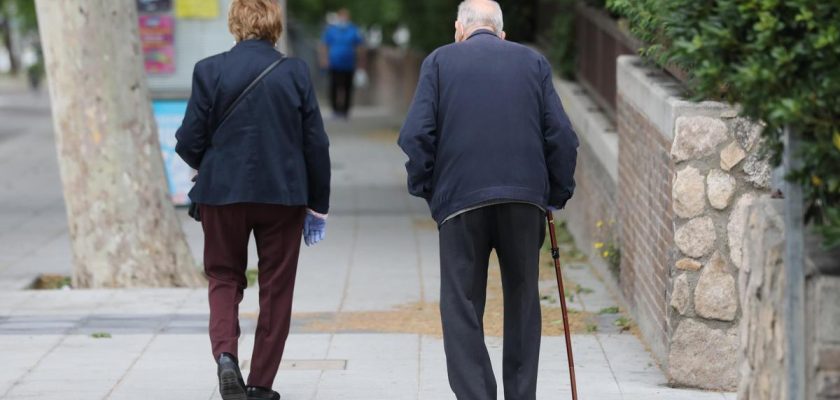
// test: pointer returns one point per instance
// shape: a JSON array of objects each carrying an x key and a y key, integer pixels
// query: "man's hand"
[{"x": 314, "y": 228}]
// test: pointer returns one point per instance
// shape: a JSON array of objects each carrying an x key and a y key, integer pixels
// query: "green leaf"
[{"x": 837, "y": 140}]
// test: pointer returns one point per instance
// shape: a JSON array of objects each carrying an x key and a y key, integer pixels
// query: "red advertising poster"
[{"x": 157, "y": 37}]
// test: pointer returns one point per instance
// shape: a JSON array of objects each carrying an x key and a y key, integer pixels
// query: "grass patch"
[
  {"x": 52, "y": 282},
  {"x": 573, "y": 289},
  {"x": 573, "y": 255},
  {"x": 583, "y": 290},
  {"x": 609, "y": 310},
  {"x": 624, "y": 323},
  {"x": 100, "y": 335},
  {"x": 563, "y": 234}
]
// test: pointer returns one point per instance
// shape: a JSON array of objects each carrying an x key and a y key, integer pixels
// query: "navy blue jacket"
[
  {"x": 486, "y": 125},
  {"x": 272, "y": 149}
]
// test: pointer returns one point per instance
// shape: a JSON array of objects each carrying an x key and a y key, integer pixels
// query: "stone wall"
[
  {"x": 823, "y": 341},
  {"x": 687, "y": 174},
  {"x": 762, "y": 300},
  {"x": 716, "y": 182},
  {"x": 762, "y": 282},
  {"x": 679, "y": 179}
]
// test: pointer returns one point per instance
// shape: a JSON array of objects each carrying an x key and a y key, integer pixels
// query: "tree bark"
[
  {"x": 123, "y": 226},
  {"x": 6, "y": 28}
]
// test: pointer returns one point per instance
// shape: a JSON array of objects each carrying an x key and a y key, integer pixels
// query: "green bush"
[
  {"x": 561, "y": 39},
  {"x": 778, "y": 59}
]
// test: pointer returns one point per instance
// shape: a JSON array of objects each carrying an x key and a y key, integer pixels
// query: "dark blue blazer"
[
  {"x": 272, "y": 149},
  {"x": 486, "y": 125}
]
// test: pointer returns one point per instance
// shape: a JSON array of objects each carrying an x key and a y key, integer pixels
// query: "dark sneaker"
[
  {"x": 231, "y": 384},
  {"x": 261, "y": 393}
]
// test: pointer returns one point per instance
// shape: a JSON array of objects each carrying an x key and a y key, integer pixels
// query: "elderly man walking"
[{"x": 490, "y": 148}]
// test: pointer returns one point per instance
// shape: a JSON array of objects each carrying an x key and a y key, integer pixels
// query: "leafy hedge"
[
  {"x": 560, "y": 39},
  {"x": 778, "y": 59}
]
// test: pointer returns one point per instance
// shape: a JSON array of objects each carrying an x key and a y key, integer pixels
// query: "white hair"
[{"x": 473, "y": 15}]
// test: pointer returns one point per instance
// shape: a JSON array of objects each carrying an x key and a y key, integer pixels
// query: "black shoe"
[
  {"x": 231, "y": 384},
  {"x": 261, "y": 393}
]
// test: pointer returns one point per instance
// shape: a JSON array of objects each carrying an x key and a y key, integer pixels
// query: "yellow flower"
[
  {"x": 816, "y": 180},
  {"x": 599, "y": 245},
  {"x": 605, "y": 254},
  {"x": 599, "y": 224},
  {"x": 837, "y": 140}
]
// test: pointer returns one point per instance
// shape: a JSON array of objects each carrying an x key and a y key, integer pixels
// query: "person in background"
[
  {"x": 342, "y": 52},
  {"x": 265, "y": 169},
  {"x": 490, "y": 148}
]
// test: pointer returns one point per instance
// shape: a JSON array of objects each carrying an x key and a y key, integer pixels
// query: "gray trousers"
[{"x": 516, "y": 232}]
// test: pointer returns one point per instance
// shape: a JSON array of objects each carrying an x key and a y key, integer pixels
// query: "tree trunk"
[
  {"x": 6, "y": 28},
  {"x": 123, "y": 226}
]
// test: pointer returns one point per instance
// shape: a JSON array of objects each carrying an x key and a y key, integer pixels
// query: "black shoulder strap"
[{"x": 248, "y": 89}]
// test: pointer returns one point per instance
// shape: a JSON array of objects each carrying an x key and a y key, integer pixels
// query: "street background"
[{"x": 365, "y": 323}]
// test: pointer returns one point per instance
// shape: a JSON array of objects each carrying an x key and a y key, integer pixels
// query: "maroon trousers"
[{"x": 277, "y": 230}]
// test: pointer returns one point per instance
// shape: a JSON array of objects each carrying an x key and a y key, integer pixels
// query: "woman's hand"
[{"x": 314, "y": 228}]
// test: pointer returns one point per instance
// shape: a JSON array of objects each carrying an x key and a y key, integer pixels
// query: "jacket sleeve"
[
  {"x": 316, "y": 149},
  {"x": 418, "y": 137},
  {"x": 193, "y": 136},
  {"x": 561, "y": 143}
]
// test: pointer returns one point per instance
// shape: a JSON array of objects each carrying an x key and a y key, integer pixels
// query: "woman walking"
[{"x": 253, "y": 130}]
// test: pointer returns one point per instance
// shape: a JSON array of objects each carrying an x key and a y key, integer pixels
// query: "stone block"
[
  {"x": 697, "y": 237},
  {"x": 689, "y": 193},
  {"x": 758, "y": 171},
  {"x": 828, "y": 357},
  {"x": 697, "y": 137},
  {"x": 828, "y": 385},
  {"x": 716, "y": 296},
  {"x": 762, "y": 327},
  {"x": 704, "y": 357},
  {"x": 720, "y": 188},
  {"x": 731, "y": 156},
  {"x": 687, "y": 264},
  {"x": 828, "y": 309},
  {"x": 736, "y": 226},
  {"x": 681, "y": 295},
  {"x": 729, "y": 114},
  {"x": 747, "y": 132}
]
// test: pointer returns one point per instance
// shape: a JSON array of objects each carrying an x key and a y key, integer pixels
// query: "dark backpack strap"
[{"x": 248, "y": 89}]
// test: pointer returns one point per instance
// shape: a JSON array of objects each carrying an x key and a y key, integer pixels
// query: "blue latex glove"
[
  {"x": 553, "y": 209},
  {"x": 314, "y": 229}
]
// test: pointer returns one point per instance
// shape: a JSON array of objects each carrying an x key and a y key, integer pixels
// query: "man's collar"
[
  {"x": 482, "y": 32},
  {"x": 254, "y": 43}
]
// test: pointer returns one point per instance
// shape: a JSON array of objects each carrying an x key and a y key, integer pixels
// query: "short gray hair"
[{"x": 471, "y": 15}]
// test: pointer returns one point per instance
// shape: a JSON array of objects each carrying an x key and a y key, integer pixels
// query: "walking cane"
[{"x": 555, "y": 254}]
